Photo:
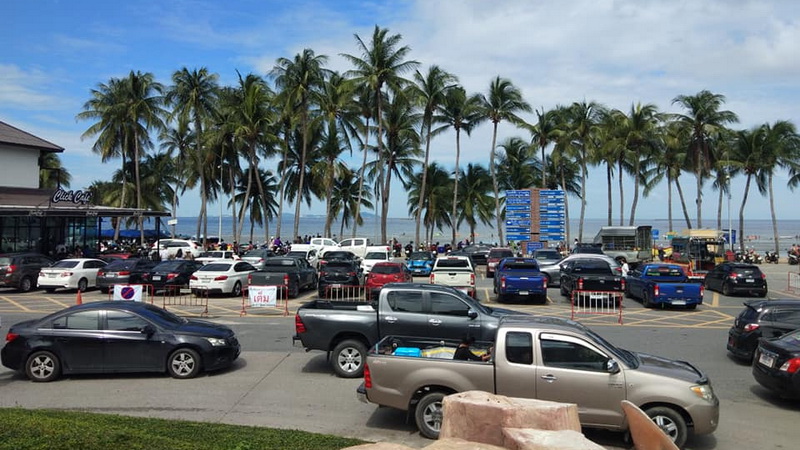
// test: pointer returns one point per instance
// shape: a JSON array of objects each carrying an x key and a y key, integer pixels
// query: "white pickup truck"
[{"x": 454, "y": 271}]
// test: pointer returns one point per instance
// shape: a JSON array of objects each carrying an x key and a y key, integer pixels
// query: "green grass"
[{"x": 46, "y": 429}]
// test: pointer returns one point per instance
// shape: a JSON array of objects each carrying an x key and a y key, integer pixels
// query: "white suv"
[{"x": 185, "y": 246}]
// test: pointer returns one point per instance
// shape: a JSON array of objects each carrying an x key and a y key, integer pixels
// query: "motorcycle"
[
  {"x": 771, "y": 257},
  {"x": 793, "y": 259}
]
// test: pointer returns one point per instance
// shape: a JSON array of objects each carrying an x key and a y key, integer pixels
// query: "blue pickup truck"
[
  {"x": 520, "y": 277},
  {"x": 663, "y": 284}
]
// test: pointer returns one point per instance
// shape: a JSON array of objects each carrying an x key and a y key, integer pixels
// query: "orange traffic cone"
[{"x": 78, "y": 299}]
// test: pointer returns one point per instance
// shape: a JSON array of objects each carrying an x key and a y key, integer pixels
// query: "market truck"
[
  {"x": 698, "y": 251},
  {"x": 634, "y": 244}
]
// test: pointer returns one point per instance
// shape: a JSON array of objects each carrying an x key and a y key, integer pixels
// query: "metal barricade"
[
  {"x": 132, "y": 292},
  {"x": 175, "y": 296},
  {"x": 341, "y": 293},
  {"x": 607, "y": 303},
  {"x": 793, "y": 285},
  {"x": 266, "y": 297}
]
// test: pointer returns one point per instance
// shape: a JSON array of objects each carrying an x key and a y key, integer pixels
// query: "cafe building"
[{"x": 33, "y": 219}]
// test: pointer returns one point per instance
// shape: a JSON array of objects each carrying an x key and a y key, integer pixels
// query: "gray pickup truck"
[
  {"x": 294, "y": 273},
  {"x": 346, "y": 329},
  {"x": 544, "y": 358}
]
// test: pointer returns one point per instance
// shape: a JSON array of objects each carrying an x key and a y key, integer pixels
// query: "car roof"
[
  {"x": 760, "y": 304},
  {"x": 549, "y": 322},
  {"x": 421, "y": 286},
  {"x": 387, "y": 263}
]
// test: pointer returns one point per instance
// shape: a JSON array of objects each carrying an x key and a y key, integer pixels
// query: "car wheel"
[
  {"x": 671, "y": 423},
  {"x": 501, "y": 298},
  {"x": 26, "y": 284},
  {"x": 105, "y": 290},
  {"x": 646, "y": 300},
  {"x": 543, "y": 299},
  {"x": 428, "y": 415},
  {"x": 726, "y": 289},
  {"x": 294, "y": 292},
  {"x": 183, "y": 363},
  {"x": 237, "y": 289},
  {"x": 762, "y": 294},
  {"x": 321, "y": 293},
  {"x": 691, "y": 307},
  {"x": 42, "y": 366},
  {"x": 349, "y": 357},
  {"x": 83, "y": 283}
]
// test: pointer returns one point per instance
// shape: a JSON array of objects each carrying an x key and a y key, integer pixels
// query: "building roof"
[{"x": 14, "y": 136}]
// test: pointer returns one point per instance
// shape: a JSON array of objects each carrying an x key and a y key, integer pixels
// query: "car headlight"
[
  {"x": 703, "y": 391},
  {"x": 216, "y": 342}
]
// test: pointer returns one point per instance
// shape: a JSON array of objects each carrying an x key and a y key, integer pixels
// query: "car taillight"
[
  {"x": 10, "y": 269},
  {"x": 299, "y": 326},
  {"x": 702, "y": 290},
  {"x": 171, "y": 276},
  {"x": 367, "y": 377},
  {"x": 751, "y": 326},
  {"x": 351, "y": 274},
  {"x": 286, "y": 280},
  {"x": 66, "y": 274},
  {"x": 580, "y": 284},
  {"x": 432, "y": 278},
  {"x": 11, "y": 336},
  {"x": 733, "y": 275},
  {"x": 322, "y": 273},
  {"x": 622, "y": 284},
  {"x": 192, "y": 277},
  {"x": 250, "y": 278},
  {"x": 503, "y": 282},
  {"x": 124, "y": 272},
  {"x": 221, "y": 278},
  {"x": 656, "y": 290},
  {"x": 763, "y": 276},
  {"x": 791, "y": 366},
  {"x": 145, "y": 276},
  {"x": 101, "y": 273},
  {"x": 618, "y": 270},
  {"x": 472, "y": 279},
  {"x": 544, "y": 284}
]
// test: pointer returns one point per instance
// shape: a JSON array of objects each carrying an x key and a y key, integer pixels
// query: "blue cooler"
[{"x": 407, "y": 351}]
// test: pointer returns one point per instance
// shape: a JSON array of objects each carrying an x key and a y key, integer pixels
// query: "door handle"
[
  {"x": 391, "y": 319},
  {"x": 434, "y": 321},
  {"x": 549, "y": 378}
]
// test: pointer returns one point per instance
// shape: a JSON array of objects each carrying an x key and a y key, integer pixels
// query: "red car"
[
  {"x": 495, "y": 255},
  {"x": 385, "y": 272}
]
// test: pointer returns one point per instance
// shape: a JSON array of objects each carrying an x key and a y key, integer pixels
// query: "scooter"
[
  {"x": 793, "y": 260},
  {"x": 771, "y": 257}
]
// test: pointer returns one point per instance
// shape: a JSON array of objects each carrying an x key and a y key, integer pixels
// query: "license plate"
[
  {"x": 336, "y": 286},
  {"x": 51, "y": 275},
  {"x": 766, "y": 360},
  {"x": 597, "y": 297},
  {"x": 523, "y": 292},
  {"x": 750, "y": 280},
  {"x": 679, "y": 302},
  {"x": 679, "y": 291},
  {"x": 156, "y": 277}
]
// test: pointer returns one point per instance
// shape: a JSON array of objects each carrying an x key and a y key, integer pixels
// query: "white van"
[
  {"x": 305, "y": 251},
  {"x": 322, "y": 245}
]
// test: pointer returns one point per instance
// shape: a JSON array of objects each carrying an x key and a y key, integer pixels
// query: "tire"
[
  {"x": 83, "y": 284},
  {"x": 563, "y": 289},
  {"x": 501, "y": 298},
  {"x": 26, "y": 284},
  {"x": 428, "y": 415},
  {"x": 237, "y": 289},
  {"x": 762, "y": 294},
  {"x": 542, "y": 299},
  {"x": 348, "y": 358},
  {"x": 321, "y": 293},
  {"x": 42, "y": 366},
  {"x": 105, "y": 290},
  {"x": 183, "y": 363},
  {"x": 691, "y": 307},
  {"x": 671, "y": 422},
  {"x": 726, "y": 289},
  {"x": 646, "y": 300}
]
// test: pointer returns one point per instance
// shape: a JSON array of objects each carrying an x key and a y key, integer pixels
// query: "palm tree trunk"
[
  {"x": 498, "y": 216},
  {"x": 683, "y": 204},
  {"x": 455, "y": 188},
  {"x": 138, "y": 187},
  {"x": 544, "y": 167},
  {"x": 253, "y": 166},
  {"x": 121, "y": 197},
  {"x": 669, "y": 203},
  {"x": 385, "y": 200},
  {"x": 774, "y": 218},
  {"x": 635, "y": 202},
  {"x": 301, "y": 183},
  {"x": 424, "y": 179},
  {"x": 328, "y": 194},
  {"x": 566, "y": 203},
  {"x": 608, "y": 182},
  {"x": 286, "y": 132},
  {"x": 584, "y": 174},
  {"x": 719, "y": 209},
  {"x": 360, "y": 181},
  {"x": 621, "y": 196},
  {"x": 379, "y": 119},
  {"x": 174, "y": 210},
  {"x": 741, "y": 213},
  {"x": 233, "y": 199},
  {"x": 699, "y": 199}
]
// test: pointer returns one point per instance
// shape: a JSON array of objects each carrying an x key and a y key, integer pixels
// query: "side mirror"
[
  {"x": 612, "y": 366},
  {"x": 472, "y": 314},
  {"x": 148, "y": 330}
]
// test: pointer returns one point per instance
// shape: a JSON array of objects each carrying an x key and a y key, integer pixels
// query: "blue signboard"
[
  {"x": 518, "y": 222},
  {"x": 552, "y": 216},
  {"x": 555, "y": 207},
  {"x": 518, "y": 237},
  {"x": 518, "y": 215},
  {"x": 553, "y": 192},
  {"x": 552, "y": 237},
  {"x": 547, "y": 223},
  {"x": 518, "y": 230},
  {"x": 655, "y": 233},
  {"x": 518, "y": 193},
  {"x": 518, "y": 207},
  {"x": 534, "y": 246}
]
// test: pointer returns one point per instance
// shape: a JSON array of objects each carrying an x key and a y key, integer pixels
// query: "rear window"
[
  {"x": 296, "y": 254},
  {"x": 748, "y": 271},
  {"x": 278, "y": 262},
  {"x": 168, "y": 265},
  {"x": 339, "y": 267},
  {"x": 456, "y": 263},
  {"x": 664, "y": 272},
  {"x": 377, "y": 255},
  {"x": 500, "y": 253},
  {"x": 749, "y": 314},
  {"x": 593, "y": 267},
  {"x": 521, "y": 265},
  {"x": 121, "y": 264},
  {"x": 386, "y": 269},
  {"x": 63, "y": 264},
  {"x": 215, "y": 267},
  {"x": 547, "y": 254},
  {"x": 338, "y": 255}
]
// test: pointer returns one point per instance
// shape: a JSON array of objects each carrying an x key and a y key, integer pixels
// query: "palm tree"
[
  {"x": 176, "y": 143},
  {"x": 52, "y": 173},
  {"x": 669, "y": 163},
  {"x": 477, "y": 202},
  {"x": 640, "y": 134},
  {"x": 503, "y": 102},
  {"x": 583, "y": 118},
  {"x": 461, "y": 113},
  {"x": 781, "y": 150},
  {"x": 300, "y": 81},
  {"x": 435, "y": 200},
  {"x": 261, "y": 208},
  {"x": 543, "y": 133},
  {"x": 294, "y": 170},
  {"x": 747, "y": 156},
  {"x": 344, "y": 198},
  {"x": 366, "y": 105},
  {"x": 609, "y": 150},
  {"x": 705, "y": 120},
  {"x": 194, "y": 96},
  {"x": 521, "y": 166},
  {"x": 382, "y": 63},
  {"x": 430, "y": 91}
]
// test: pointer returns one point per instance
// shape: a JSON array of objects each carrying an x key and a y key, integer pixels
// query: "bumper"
[
  {"x": 705, "y": 416},
  {"x": 361, "y": 393},
  {"x": 742, "y": 346},
  {"x": 13, "y": 357},
  {"x": 221, "y": 357},
  {"x": 54, "y": 284},
  {"x": 782, "y": 383},
  {"x": 678, "y": 301}
]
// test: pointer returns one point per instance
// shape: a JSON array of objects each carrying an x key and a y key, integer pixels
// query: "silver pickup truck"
[{"x": 544, "y": 358}]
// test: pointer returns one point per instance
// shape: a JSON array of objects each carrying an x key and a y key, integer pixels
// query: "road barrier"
[
  {"x": 793, "y": 284},
  {"x": 342, "y": 293},
  {"x": 266, "y": 297},
  {"x": 132, "y": 292},
  {"x": 607, "y": 303},
  {"x": 174, "y": 296}
]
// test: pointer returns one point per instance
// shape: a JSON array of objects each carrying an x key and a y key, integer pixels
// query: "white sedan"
[
  {"x": 374, "y": 257},
  {"x": 74, "y": 273},
  {"x": 221, "y": 277}
]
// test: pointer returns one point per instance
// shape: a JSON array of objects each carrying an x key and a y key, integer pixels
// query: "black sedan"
[
  {"x": 761, "y": 319},
  {"x": 171, "y": 275},
  {"x": 123, "y": 271},
  {"x": 776, "y": 365},
  {"x": 117, "y": 336}
]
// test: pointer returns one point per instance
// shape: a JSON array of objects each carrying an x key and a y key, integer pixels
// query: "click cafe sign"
[{"x": 77, "y": 197}]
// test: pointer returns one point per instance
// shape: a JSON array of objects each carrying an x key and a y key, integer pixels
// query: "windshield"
[
  {"x": 386, "y": 269},
  {"x": 121, "y": 264},
  {"x": 547, "y": 255},
  {"x": 165, "y": 316},
  {"x": 63, "y": 264},
  {"x": 453, "y": 263},
  {"x": 168, "y": 265},
  {"x": 498, "y": 253},
  {"x": 630, "y": 359},
  {"x": 215, "y": 267},
  {"x": 296, "y": 254}
]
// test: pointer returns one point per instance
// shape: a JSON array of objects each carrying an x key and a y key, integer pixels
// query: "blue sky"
[{"x": 613, "y": 52}]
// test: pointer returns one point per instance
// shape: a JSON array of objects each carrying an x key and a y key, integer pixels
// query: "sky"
[{"x": 616, "y": 53}]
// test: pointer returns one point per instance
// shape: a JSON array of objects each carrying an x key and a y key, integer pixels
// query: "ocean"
[{"x": 757, "y": 232}]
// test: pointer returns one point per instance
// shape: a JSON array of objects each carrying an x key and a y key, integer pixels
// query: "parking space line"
[
  {"x": 715, "y": 300},
  {"x": 63, "y": 305},
  {"x": 17, "y": 304}
]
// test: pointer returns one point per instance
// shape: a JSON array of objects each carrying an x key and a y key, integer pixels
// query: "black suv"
[
  {"x": 761, "y": 318},
  {"x": 734, "y": 278},
  {"x": 21, "y": 270}
]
